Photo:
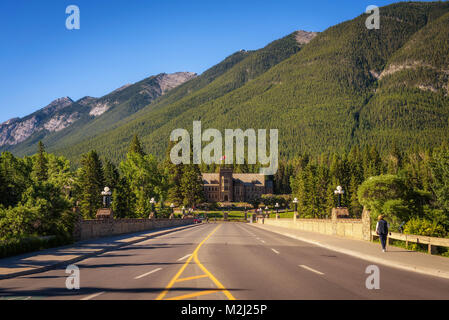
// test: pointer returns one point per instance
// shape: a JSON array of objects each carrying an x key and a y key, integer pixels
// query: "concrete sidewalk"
[
  {"x": 394, "y": 257},
  {"x": 44, "y": 260}
]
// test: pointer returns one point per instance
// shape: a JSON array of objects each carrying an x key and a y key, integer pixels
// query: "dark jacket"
[{"x": 382, "y": 227}]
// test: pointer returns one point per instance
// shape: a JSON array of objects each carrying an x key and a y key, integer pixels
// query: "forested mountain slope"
[
  {"x": 347, "y": 86},
  {"x": 240, "y": 68},
  {"x": 66, "y": 122}
]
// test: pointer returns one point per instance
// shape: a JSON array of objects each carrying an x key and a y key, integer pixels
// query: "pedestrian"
[{"x": 382, "y": 231}]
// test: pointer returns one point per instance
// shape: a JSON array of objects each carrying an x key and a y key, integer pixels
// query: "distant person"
[{"x": 382, "y": 231}]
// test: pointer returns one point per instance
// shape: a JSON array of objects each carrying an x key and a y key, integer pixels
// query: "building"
[{"x": 227, "y": 186}]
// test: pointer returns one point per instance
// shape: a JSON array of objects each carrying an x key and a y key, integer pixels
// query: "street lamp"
[
  {"x": 295, "y": 201},
  {"x": 172, "y": 207},
  {"x": 152, "y": 202},
  {"x": 277, "y": 209},
  {"x": 106, "y": 193},
  {"x": 339, "y": 192}
]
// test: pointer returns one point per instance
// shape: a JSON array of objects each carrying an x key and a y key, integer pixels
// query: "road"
[{"x": 224, "y": 261}]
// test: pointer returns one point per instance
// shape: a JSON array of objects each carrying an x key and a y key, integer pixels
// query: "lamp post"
[
  {"x": 277, "y": 210},
  {"x": 295, "y": 202},
  {"x": 339, "y": 192},
  {"x": 106, "y": 193},
  {"x": 172, "y": 207},
  {"x": 153, "y": 212}
]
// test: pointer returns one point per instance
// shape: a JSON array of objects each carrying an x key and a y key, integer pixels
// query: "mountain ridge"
[{"x": 55, "y": 117}]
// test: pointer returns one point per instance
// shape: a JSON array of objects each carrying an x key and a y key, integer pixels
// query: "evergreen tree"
[
  {"x": 123, "y": 200},
  {"x": 91, "y": 184},
  {"x": 111, "y": 175},
  {"x": 192, "y": 186},
  {"x": 40, "y": 168},
  {"x": 136, "y": 147}
]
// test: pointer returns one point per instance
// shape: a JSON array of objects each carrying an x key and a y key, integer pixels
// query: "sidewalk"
[
  {"x": 394, "y": 257},
  {"x": 44, "y": 260}
]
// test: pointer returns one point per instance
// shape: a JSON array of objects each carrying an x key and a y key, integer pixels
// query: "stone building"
[{"x": 227, "y": 186}]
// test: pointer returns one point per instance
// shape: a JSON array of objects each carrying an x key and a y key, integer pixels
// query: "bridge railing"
[{"x": 430, "y": 241}]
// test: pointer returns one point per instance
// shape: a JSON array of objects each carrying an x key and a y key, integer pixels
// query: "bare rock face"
[
  {"x": 58, "y": 116},
  {"x": 170, "y": 81},
  {"x": 304, "y": 37},
  {"x": 18, "y": 130}
]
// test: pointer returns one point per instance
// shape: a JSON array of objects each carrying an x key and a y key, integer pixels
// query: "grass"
[{"x": 441, "y": 251}]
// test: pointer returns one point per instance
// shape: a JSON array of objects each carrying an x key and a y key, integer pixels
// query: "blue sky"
[{"x": 126, "y": 41}]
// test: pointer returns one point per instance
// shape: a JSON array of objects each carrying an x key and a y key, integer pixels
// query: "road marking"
[
  {"x": 93, "y": 296},
  {"x": 195, "y": 256},
  {"x": 196, "y": 294},
  {"x": 192, "y": 278},
  {"x": 148, "y": 273},
  {"x": 185, "y": 257},
  {"x": 275, "y": 251},
  {"x": 262, "y": 241},
  {"x": 310, "y": 269}
]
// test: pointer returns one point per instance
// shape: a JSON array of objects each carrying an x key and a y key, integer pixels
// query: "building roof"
[
  {"x": 211, "y": 178},
  {"x": 241, "y": 178},
  {"x": 249, "y": 178}
]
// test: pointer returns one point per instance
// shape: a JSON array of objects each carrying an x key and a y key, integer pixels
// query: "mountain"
[
  {"x": 324, "y": 91},
  {"x": 58, "y": 115},
  {"x": 234, "y": 72},
  {"x": 87, "y": 116}
]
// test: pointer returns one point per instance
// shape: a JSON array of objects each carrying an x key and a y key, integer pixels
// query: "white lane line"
[
  {"x": 148, "y": 273},
  {"x": 275, "y": 251},
  {"x": 185, "y": 257},
  {"x": 262, "y": 241},
  {"x": 310, "y": 269},
  {"x": 93, "y": 296}
]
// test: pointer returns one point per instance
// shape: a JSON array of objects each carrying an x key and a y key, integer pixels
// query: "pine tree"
[
  {"x": 123, "y": 200},
  {"x": 91, "y": 184},
  {"x": 192, "y": 186},
  {"x": 174, "y": 173},
  {"x": 111, "y": 175},
  {"x": 136, "y": 147},
  {"x": 40, "y": 168}
]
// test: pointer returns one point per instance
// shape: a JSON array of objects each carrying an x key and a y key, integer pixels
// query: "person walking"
[{"x": 382, "y": 231}]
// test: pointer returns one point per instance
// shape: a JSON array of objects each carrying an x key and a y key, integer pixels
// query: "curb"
[
  {"x": 367, "y": 257},
  {"x": 92, "y": 254}
]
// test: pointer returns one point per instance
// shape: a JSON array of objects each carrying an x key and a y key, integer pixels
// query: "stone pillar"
[{"x": 366, "y": 224}]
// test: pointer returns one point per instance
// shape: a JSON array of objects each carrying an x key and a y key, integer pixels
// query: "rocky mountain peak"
[
  {"x": 304, "y": 37},
  {"x": 170, "y": 81}
]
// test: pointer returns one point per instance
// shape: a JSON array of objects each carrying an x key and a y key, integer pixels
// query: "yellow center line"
[
  {"x": 192, "y": 278},
  {"x": 192, "y": 295},
  {"x": 178, "y": 274}
]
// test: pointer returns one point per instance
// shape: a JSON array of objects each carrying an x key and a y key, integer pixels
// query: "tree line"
[
  {"x": 38, "y": 193},
  {"x": 411, "y": 189}
]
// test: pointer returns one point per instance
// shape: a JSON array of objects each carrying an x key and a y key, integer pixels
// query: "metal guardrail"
[{"x": 430, "y": 241}]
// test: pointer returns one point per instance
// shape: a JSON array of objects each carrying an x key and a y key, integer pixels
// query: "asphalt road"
[{"x": 224, "y": 261}]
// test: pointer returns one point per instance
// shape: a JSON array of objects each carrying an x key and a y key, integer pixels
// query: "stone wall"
[
  {"x": 358, "y": 229},
  {"x": 91, "y": 229}
]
